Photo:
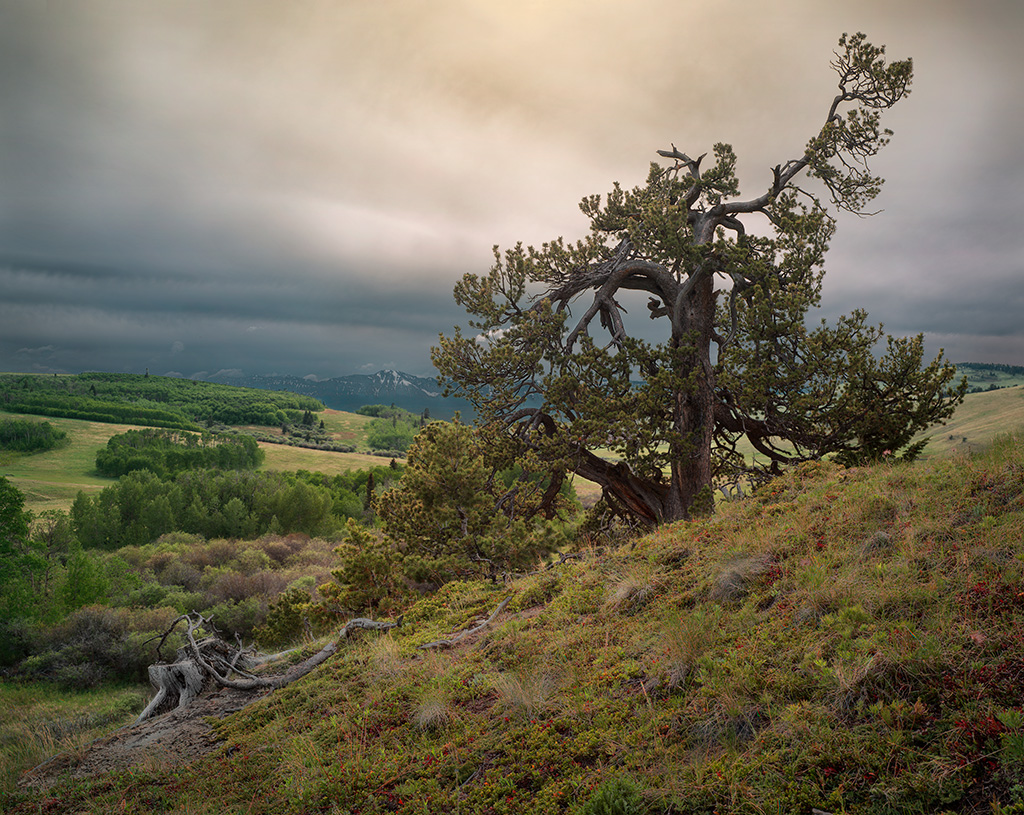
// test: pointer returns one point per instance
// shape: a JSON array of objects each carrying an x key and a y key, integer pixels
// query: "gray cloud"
[{"x": 296, "y": 187}]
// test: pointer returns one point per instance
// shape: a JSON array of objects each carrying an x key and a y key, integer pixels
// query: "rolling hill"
[
  {"x": 848, "y": 640},
  {"x": 51, "y": 480}
]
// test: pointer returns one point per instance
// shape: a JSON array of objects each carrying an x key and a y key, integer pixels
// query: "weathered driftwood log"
[{"x": 211, "y": 661}]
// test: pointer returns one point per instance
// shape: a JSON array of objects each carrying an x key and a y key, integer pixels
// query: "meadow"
[
  {"x": 847, "y": 640},
  {"x": 51, "y": 480}
]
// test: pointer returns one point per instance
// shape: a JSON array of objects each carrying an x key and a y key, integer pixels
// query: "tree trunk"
[
  {"x": 693, "y": 408},
  {"x": 212, "y": 661},
  {"x": 639, "y": 498}
]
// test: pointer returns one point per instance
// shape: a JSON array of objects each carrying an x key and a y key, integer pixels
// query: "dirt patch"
[{"x": 173, "y": 739}]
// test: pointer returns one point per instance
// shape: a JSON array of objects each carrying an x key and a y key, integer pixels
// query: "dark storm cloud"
[{"x": 295, "y": 187}]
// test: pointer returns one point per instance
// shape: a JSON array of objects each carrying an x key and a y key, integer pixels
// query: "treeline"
[
  {"x": 71, "y": 406},
  {"x": 165, "y": 452},
  {"x": 1012, "y": 370},
  {"x": 156, "y": 401},
  {"x": 142, "y": 506},
  {"x": 81, "y": 617},
  {"x": 22, "y": 436}
]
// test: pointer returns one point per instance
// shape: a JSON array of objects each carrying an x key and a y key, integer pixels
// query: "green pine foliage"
[
  {"x": 458, "y": 511},
  {"x": 553, "y": 358}
]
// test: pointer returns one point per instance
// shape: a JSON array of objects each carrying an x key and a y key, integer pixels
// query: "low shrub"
[{"x": 616, "y": 796}]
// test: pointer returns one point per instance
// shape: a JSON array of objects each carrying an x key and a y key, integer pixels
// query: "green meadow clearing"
[{"x": 51, "y": 480}]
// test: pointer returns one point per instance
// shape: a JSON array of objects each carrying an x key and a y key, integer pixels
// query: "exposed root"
[{"x": 212, "y": 661}]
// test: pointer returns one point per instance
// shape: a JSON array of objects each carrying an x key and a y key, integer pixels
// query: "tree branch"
[{"x": 448, "y": 643}]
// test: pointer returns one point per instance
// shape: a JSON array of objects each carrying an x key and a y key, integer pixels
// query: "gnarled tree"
[{"x": 550, "y": 362}]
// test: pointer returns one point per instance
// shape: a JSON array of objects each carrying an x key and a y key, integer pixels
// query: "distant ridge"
[{"x": 414, "y": 393}]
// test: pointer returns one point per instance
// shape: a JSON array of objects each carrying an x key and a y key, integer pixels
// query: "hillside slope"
[
  {"x": 977, "y": 422},
  {"x": 846, "y": 640}
]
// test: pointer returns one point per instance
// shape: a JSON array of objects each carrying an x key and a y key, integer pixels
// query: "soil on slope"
[{"x": 174, "y": 738}]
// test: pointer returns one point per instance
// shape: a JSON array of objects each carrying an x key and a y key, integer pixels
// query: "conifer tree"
[{"x": 552, "y": 363}]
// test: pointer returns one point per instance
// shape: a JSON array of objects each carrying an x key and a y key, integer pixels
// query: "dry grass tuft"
[
  {"x": 529, "y": 694},
  {"x": 632, "y": 590},
  {"x": 384, "y": 657},
  {"x": 434, "y": 711},
  {"x": 736, "y": 577}
]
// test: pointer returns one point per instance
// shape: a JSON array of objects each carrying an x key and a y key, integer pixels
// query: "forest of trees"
[
  {"x": 1011, "y": 370},
  {"x": 141, "y": 506},
  {"x": 24, "y": 436},
  {"x": 165, "y": 452},
  {"x": 154, "y": 401}
]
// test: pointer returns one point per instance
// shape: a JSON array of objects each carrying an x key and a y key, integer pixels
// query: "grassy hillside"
[
  {"x": 846, "y": 641},
  {"x": 977, "y": 422},
  {"x": 51, "y": 480}
]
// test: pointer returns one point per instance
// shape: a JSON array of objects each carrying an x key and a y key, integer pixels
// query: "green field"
[
  {"x": 51, "y": 480},
  {"x": 38, "y": 720},
  {"x": 977, "y": 422}
]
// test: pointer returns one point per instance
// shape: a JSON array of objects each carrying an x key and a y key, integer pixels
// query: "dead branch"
[
  {"x": 448, "y": 643},
  {"x": 211, "y": 660}
]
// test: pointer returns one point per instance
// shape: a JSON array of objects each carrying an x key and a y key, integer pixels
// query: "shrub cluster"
[
  {"x": 139, "y": 590},
  {"x": 166, "y": 452},
  {"x": 97, "y": 645},
  {"x": 22, "y": 436}
]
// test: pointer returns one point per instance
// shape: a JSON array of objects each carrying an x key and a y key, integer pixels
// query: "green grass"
[
  {"x": 38, "y": 721},
  {"x": 848, "y": 640},
  {"x": 977, "y": 422},
  {"x": 51, "y": 480},
  {"x": 349, "y": 428}
]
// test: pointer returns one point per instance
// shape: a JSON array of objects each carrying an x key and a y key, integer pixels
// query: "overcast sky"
[{"x": 295, "y": 187}]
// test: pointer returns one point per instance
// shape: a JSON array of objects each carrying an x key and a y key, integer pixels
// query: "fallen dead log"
[{"x": 200, "y": 664}]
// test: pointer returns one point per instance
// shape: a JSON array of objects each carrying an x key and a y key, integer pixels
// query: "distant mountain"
[{"x": 414, "y": 393}]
